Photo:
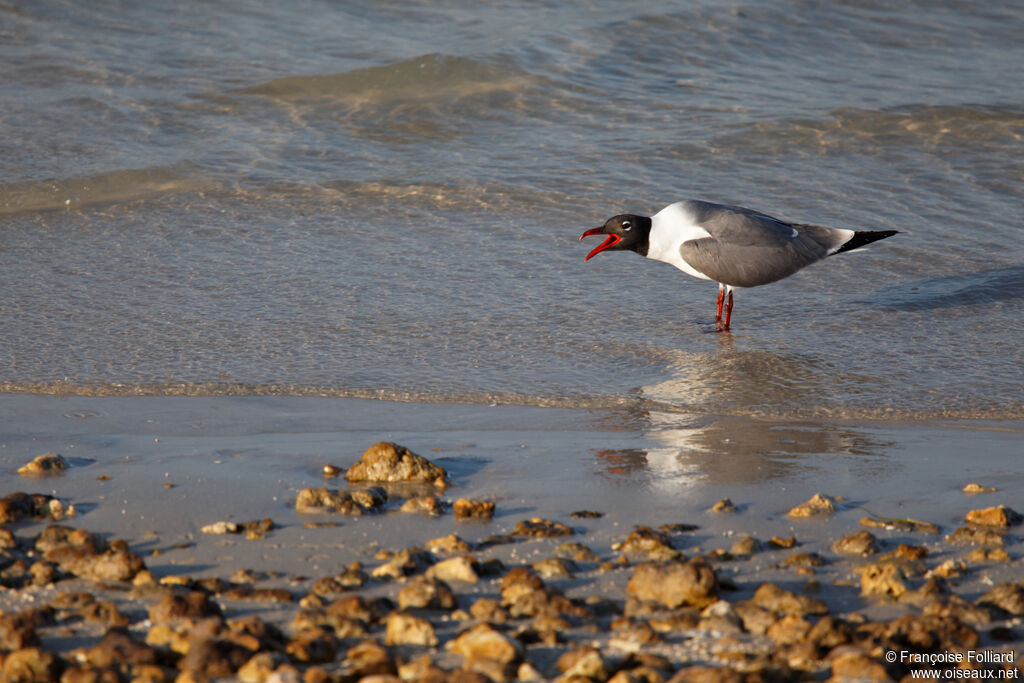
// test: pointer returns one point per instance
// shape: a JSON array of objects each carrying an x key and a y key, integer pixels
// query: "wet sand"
[{"x": 154, "y": 471}]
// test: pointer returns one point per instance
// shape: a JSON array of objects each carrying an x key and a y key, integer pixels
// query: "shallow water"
[{"x": 385, "y": 202}]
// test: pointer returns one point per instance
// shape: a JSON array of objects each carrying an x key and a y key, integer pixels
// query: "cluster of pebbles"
[{"x": 450, "y": 611}]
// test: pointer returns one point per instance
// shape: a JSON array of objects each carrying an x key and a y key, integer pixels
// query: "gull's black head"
[{"x": 625, "y": 231}]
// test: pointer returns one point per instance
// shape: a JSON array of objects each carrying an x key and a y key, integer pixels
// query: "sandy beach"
[{"x": 155, "y": 471}]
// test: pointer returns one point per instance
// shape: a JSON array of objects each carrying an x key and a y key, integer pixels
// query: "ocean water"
[{"x": 384, "y": 200}]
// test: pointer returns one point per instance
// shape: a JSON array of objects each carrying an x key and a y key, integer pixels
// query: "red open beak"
[{"x": 612, "y": 240}]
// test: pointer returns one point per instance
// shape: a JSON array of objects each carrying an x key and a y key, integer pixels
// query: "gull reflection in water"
[{"x": 707, "y": 425}]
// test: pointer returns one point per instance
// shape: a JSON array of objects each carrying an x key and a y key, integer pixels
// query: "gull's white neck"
[{"x": 670, "y": 227}]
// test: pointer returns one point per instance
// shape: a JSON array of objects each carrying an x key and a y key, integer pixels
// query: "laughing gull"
[{"x": 734, "y": 246}]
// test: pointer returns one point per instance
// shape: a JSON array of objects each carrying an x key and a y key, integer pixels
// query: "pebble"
[
  {"x": 541, "y": 528},
  {"x": 724, "y": 505},
  {"x": 468, "y": 508},
  {"x": 424, "y": 505},
  {"x": 819, "y": 504},
  {"x": 389, "y": 462},
  {"x": 674, "y": 584},
  {"x": 460, "y": 568},
  {"x": 998, "y": 516},
  {"x": 406, "y": 629},
  {"x": 45, "y": 465},
  {"x": 862, "y": 543}
]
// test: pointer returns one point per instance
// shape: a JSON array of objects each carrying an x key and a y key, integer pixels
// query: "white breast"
[{"x": 670, "y": 227}]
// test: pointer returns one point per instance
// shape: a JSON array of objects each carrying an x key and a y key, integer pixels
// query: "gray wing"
[{"x": 747, "y": 248}]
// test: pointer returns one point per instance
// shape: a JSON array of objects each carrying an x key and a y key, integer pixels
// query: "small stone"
[
  {"x": 971, "y": 536},
  {"x": 779, "y": 543},
  {"x": 528, "y": 673},
  {"x": 974, "y": 489},
  {"x": 352, "y": 576},
  {"x": 405, "y": 562},
  {"x": 1006, "y": 598},
  {"x": 577, "y": 552},
  {"x": 30, "y": 664},
  {"x": 424, "y": 592},
  {"x": 389, "y": 462},
  {"x": 45, "y": 465},
  {"x": 724, "y": 505},
  {"x": 259, "y": 594},
  {"x": 907, "y": 552},
  {"x": 676, "y": 583},
  {"x": 899, "y": 525},
  {"x": 194, "y": 605},
  {"x": 18, "y": 629},
  {"x": 862, "y": 543},
  {"x": 320, "y": 500},
  {"x": 406, "y": 629},
  {"x": 330, "y": 471},
  {"x": 243, "y": 575},
  {"x": 519, "y": 581},
  {"x": 484, "y": 642},
  {"x": 313, "y": 646},
  {"x": 804, "y": 560},
  {"x": 789, "y": 630},
  {"x": 748, "y": 545},
  {"x": 553, "y": 567},
  {"x": 116, "y": 563},
  {"x": 857, "y": 666},
  {"x": 951, "y": 569},
  {"x": 755, "y": 618},
  {"x": 541, "y": 528},
  {"x": 118, "y": 649},
  {"x": 420, "y": 669},
  {"x": 488, "y": 609},
  {"x": 221, "y": 528},
  {"x": 448, "y": 544},
  {"x": 584, "y": 663},
  {"x": 883, "y": 579},
  {"x": 467, "y": 508},
  {"x": 707, "y": 674},
  {"x": 259, "y": 667},
  {"x": 586, "y": 514},
  {"x": 983, "y": 555},
  {"x": 998, "y": 516},
  {"x": 945, "y": 606},
  {"x": 42, "y": 573},
  {"x": 677, "y": 528},
  {"x": 644, "y": 539},
  {"x": 461, "y": 568},
  {"x": 424, "y": 505},
  {"x": 258, "y": 528},
  {"x": 720, "y": 617},
  {"x": 368, "y": 658},
  {"x": 818, "y": 504},
  {"x": 782, "y": 601}
]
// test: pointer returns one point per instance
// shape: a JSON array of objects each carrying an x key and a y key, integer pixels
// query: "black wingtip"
[{"x": 862, "y": 237}]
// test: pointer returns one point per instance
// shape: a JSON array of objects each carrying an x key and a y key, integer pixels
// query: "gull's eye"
[{"x": 627, "y": 226}]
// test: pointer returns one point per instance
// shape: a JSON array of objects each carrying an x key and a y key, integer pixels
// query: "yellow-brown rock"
[
  {"x": 1000, "y": 516},
  {"x": 674, "y": 584},
  {"x": 485, "y": 642},
  {"x": 818, "y": 504},
  {"x": 389, "y": 462},
  {"x": 406, "y": 629},
  {"x": 467, "y": 508},
  {"x": 45, "y": 465}
]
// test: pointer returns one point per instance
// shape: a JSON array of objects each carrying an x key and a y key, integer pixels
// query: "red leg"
[
  {"x": 721, "y": 296},
  {"x": 728, "y": 312}
]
